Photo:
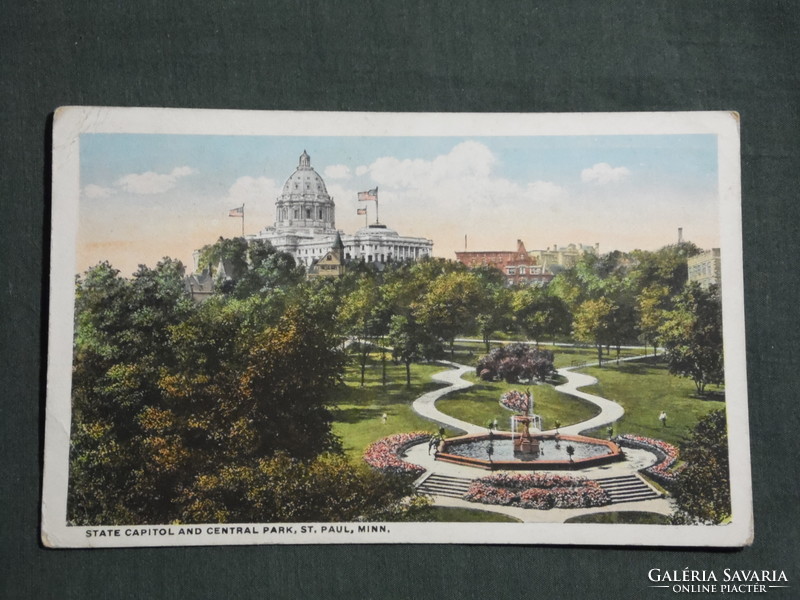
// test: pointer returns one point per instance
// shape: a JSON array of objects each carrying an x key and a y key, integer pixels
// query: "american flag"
[
  {"x": 237, "y": 212},
  {"x": 361, "y": 211},
  {"x": 368, "y": 196}
]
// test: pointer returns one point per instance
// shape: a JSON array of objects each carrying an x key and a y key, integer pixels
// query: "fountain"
[{"x": 525, "y": 447}]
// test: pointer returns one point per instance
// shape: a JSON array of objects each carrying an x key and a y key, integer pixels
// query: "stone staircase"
[
  {"x": 627, "y": 488},
  {"x": 444, "y": 485}
]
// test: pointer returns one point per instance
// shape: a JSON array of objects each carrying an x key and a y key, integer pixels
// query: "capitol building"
[{"x": 305, "y": 226}]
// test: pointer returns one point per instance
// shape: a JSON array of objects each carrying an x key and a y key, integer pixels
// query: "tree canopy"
[
  {"x": 692, "y": 336},
  {"x": 703, "y": 487},
  {"x": 189, "y": 412}
]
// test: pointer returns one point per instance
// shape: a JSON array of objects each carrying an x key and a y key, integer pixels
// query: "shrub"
[{"x": 515, "y": 362}]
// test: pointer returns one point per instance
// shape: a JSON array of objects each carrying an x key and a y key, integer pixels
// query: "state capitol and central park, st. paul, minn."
[{"x": 307, "y": 374}]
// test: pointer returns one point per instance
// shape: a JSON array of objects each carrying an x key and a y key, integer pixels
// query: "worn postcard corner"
[{"x": 301, "y": 328}]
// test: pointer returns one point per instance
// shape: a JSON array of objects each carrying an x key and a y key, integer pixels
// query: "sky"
[{"x": 144, "y": 197}]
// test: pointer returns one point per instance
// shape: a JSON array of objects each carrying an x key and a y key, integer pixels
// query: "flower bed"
[
  {"x": 537, "y": 490},
  {"x": 384, "y": 454},
  {"x": 515, "y": 400},
  {"x": 664, "y": 471}
]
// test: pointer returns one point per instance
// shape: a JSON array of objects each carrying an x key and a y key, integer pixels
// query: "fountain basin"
[{"x": 495, "y": 452}]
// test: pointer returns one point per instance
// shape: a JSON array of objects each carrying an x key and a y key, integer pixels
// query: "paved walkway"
[
  {"x": 425, "y": 404},
  {"x": 610, "y": 412}
]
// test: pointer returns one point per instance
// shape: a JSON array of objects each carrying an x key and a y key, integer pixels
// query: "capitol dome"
[
  {"x": 305, "y": 179},
  {"x": 305, "y": 202}
]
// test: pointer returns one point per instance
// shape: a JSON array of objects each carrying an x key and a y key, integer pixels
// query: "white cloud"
[
  {"x": 151, "y": 182},
  {"x": 97, "y": 191},
  {"x": 260, "y": 190},
  {"x": 451, "y": 195},
  {"x": 546, "y": 191},
  {"x": 467, "y": 160},
  {"x": 337, "y": 172},
  {"x": 604, "y": 173}
]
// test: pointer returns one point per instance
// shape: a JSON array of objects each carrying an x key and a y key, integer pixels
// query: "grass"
[
  {"x": 480, "y": 404},
  {"x": 644, "y": 389},
  {"x": 447, "y": 514},
  {"x": 622, "y": 517},
  {"x": 358, "y": 410}
]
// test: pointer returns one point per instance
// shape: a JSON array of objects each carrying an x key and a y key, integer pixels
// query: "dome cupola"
[{"x": 305, "y": 203}]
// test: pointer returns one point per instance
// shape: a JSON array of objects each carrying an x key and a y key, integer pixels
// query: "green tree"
[
  {"x": 365, "y": 317},
  {"x": 494, "y": 310},
  {"x": 592, "y": 324},
  {"x": 410, "y": 342},
  {"x": 284, "y": 489},
  {"x": 231, "y": 254},
  {"x": 622, "y": 324},
  {"x": 692, "y": 337},
  {"x": 667, "y": 266},
  {"x": 539, "y": 313},
  {"x": 121, "y": 344},
  {"x": 450, "y": 305},
  {"x": 267, "y": 270},
  {"x": 703, "y": 487},
  {"x": 650, "y": 307}
]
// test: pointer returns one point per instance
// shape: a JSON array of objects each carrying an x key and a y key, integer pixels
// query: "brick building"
[{"x": 517, "y": 265}]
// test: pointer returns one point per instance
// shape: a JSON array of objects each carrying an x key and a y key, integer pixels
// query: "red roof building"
[{"x": 518, "y": 266}]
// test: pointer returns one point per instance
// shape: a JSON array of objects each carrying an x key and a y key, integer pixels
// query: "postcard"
[{"x": 310, "y": 327}]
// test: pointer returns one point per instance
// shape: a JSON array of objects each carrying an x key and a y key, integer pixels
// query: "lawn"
[
  {"x": 480, "y": 404},
  {"x": 644, "y": 390},
  {"x": 359, "y": 410},
  {"x": 627, "y": 517},
  {"x": 447, "y": 514}
]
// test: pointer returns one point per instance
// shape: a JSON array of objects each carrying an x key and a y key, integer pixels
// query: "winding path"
[
  {"x": 425, "y": 407},
  {"x": 610, "y": 411}
]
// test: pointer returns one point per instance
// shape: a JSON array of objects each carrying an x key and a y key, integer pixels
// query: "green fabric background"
[{"x": 586, "y": 55}]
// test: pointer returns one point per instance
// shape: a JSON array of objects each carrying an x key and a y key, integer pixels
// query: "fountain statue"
[{"x": 521, "y": 425}]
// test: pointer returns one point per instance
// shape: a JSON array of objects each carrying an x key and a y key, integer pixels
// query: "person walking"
[{"x": 663, "y": 418}]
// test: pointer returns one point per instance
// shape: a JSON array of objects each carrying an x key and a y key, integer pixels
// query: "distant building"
[
  {"x": 557, "y": 258},
  {"x": 705, "y": 268},
  {"x": 305, "y": 226},
  {"x": 199, "y": 285},
  {"x": 332, "y": 264},
  {"x": 517, "y": 265}
]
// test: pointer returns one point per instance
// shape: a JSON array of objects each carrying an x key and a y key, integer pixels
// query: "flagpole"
[{"x": 242, "y": 220}]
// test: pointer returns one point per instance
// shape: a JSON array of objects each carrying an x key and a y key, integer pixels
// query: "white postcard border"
[{"x": 71, "y": 122}]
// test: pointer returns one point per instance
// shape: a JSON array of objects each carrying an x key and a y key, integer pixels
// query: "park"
[
  {"x": 639, "y": 384},
  {"x": 282, "y": 398}
]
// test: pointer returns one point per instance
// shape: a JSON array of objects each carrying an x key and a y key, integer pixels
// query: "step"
[
  {"x": 627, "y": 488},
  {"x": 444, "y": 485},
  {"x": 632, "y": 493},
  {"x": 617, "y": 478},
  {"x": 436, "y": 476},
  {"x": 622, "y": 485}
]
